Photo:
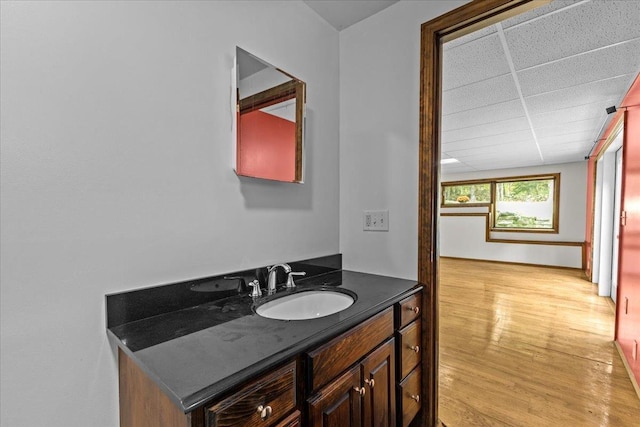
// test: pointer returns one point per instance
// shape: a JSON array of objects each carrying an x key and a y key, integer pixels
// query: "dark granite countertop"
[{"x": 196, "y": 354}]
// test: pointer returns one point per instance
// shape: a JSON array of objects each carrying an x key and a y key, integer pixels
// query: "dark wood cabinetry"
[
  {"x": 408, "y": 335},
  {"x": 365, "y": 392},
  {"x": 367, "y": 376},
  {"x": 261, "y": 403},
  {"x": 338, "y": 403},
  {"x": 378, "y": 376}
]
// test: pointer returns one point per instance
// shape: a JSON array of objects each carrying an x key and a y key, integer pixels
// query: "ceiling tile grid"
[
  {"x": 567, "y": 128},
  {"x": 473, "y": 62},
  {"x": 487, "y": 92},
  {"x": 587, "y": 26},
  {"x": 470, "y": 37},
  {"x": 578, "y": 95},
  {"x": 491, "y": 141},
  {"x": 601, "y": 64},
  {"x": 570, "y": 60},
  {"x": 590, "y": 111},
  {"x": 497, "y": 127},
  {"x": 478, "y": 116}
]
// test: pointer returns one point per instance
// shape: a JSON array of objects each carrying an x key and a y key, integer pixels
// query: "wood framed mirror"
[{"x": 270, "y": 117}]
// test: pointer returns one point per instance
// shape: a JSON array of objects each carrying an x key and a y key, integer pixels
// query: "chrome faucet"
[{"x": 273, "y": 276}]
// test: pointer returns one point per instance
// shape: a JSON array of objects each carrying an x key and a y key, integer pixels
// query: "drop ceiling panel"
[
  {"x": 470, "y": 37},
  {"x": 456, "y": 168},
  {"x": 566, "y": 138},
  {"x": 578, "y": 95},
  {"x": 506, "y": 151},
  {"x": 597, "y": 65},
  {"x": 570, "y": 146},
  {"x": 577, "y": 153},
  {"x": 487, "y": 92},
  {"x": 504, "y": 163},
  {"x": 588, "y": 126},
  {"x": 593, "y": 111},
  {"x": 496, "y": 127},
  {"x": 504, "y": 111},
  {"x": 507, "y": 138},
  {"x": 536, "y": 13},
  {"x": 474, "y": 62},
  {"x": 566, "y": 158},
  {"x": 509, "y": 147},
  {"x": 575, "y": 58},
  {"x": 585, "y": 27}
]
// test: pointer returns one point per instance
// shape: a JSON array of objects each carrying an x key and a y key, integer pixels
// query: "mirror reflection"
[{"x": 270, "y": 120}]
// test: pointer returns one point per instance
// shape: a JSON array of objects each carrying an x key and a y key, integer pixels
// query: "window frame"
[
  {"x": 443, "y": 203},
  {"x": 555, "y": 177}
]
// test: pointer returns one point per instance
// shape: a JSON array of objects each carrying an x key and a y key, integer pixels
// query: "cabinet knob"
[
  {"x": 370, "y": 382},
  {"x": 416, "y": 310},
  {"x": 264, "y": 411},
  {"x": 361, "y": 390},
  {"x": 415, "y": 348},
  {"x": 415, "y": 397}
]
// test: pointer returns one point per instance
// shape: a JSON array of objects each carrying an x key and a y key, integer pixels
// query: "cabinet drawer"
[
  {"x": 409, "y": 347},
  {"x": 409, "y": 399},
  {"x": 331, "y": 359},
  {"x": 292, "y": 420},
  {"x": 260, "y": 403},
  {"x": 408, "y": 310}
]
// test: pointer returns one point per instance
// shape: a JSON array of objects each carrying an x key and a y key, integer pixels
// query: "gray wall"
[
  {"x": 379, "y": 112},
  {"x": 117, "y": 174}
]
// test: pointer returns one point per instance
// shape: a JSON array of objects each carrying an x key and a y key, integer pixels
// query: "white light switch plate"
[{"x": 375, "y": 220}]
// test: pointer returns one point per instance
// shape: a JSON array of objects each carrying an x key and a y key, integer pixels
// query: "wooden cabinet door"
[
  {"x": 339, "y": 403},
  {"x": 378, "y": 375}
]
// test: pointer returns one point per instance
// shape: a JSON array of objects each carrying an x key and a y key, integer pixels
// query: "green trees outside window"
[{"x": 525, "y": 203}]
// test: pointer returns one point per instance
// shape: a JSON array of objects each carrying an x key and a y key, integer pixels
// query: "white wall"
[
  {"x": 464, "y": 237},
  {"x": 117, "y": 174},
  {"x": 379, "y": 111}
]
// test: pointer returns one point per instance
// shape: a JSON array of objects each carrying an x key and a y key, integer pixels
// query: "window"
[
  {"x": 523, "y": 204},
  {"x": 526, "y": 204},
  {"x": 466, "y": 193}
]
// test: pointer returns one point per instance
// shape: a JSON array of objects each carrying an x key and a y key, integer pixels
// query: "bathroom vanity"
[{"x": 218, "y": 363}]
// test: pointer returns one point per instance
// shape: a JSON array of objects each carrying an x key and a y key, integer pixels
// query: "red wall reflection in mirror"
[{"x": 268, "y": 147}]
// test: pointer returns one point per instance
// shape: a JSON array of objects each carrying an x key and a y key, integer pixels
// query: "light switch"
[{"x": 375, "y": 220}]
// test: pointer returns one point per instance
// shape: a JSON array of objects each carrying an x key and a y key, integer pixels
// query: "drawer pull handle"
[
  {"x": 370, "y": 382},
  {"x": 415, "y": 397},
  {"x": 361, "y": 390},
  {"x": 265, "y": 411},
  {"x": 415, "y": 348},
  {"x": 416, "y": 310}
]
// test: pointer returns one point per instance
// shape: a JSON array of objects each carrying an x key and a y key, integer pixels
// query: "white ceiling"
[
  {"x": 344, "y": 13},
  {"x": 532, "y": 90}
]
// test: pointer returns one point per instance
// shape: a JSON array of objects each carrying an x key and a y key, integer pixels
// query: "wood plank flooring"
[{"x": 528, "y": 346}]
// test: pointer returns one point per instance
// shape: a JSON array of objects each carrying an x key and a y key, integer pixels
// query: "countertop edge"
[{"x": 217, "y": 389}]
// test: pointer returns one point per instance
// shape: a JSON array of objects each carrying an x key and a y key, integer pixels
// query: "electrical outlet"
[{"x": 376, "y": 220}]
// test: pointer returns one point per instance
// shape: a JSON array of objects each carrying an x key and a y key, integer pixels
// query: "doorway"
[{"x": 607, "y": 214}]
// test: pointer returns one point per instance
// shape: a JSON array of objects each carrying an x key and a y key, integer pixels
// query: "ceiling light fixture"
[{"x": 449, "y": 161}]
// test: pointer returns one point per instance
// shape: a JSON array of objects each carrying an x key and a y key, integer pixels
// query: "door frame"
[{"x": 456, "y": 23}]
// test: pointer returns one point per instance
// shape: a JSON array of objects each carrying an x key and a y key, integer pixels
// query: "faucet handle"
[
  {"x": 256, "y": 292},
  {"x": 290, "y": 283}
]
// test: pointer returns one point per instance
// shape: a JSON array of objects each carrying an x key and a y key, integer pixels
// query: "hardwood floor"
[{"x": 528, "y": 346}]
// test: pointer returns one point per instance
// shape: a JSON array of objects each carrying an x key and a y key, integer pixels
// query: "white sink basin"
[{"x": 305, "y": 305}]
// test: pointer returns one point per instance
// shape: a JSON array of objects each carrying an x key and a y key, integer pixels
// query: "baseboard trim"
[
  {"x": 515, "y": 263},
  {"x": 628, "y": 368}
]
